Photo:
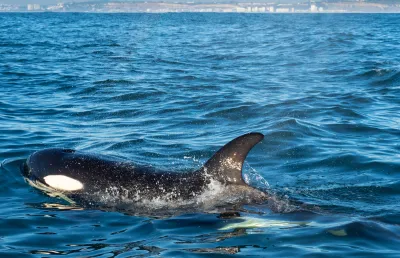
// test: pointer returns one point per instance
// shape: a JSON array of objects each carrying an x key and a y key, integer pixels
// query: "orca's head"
[{"x": 52, "y": 167}]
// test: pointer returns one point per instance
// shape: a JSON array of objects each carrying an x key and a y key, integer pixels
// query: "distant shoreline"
[
  {"x": 192, "y": 7},
  {"x": 283, "y": 13}
]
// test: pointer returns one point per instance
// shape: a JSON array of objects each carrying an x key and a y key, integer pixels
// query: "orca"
[{"x": 92, "y": 179}]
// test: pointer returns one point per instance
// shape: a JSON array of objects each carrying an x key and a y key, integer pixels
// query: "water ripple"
[{"x": 169, "y": 89}]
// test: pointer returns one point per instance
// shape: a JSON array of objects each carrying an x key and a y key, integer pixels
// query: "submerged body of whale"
[{"x": 93, "y": 179}]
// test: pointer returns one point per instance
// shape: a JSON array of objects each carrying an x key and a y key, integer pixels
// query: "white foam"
[{"x": 214, "y": 196}]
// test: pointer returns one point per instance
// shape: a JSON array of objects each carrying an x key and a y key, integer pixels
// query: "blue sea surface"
[{"x": 169, "y": 90}]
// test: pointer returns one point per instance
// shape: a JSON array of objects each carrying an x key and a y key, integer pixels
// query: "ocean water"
[{"x": 170, "y": 89}]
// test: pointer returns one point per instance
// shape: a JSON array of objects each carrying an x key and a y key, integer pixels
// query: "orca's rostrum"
[{"x": 89, "y": 178}]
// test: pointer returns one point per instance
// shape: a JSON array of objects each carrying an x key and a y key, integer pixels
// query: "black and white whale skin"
[{"x": 91, "y": 178}]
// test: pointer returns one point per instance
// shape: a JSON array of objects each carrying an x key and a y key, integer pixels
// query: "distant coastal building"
[
  {"x": 9, "y": 8},
  {"x": 285, "y": 8},
  {"x": 313, "y": 8},
  {"x": 282, "y": 10},
  {"x": 33, "y": 7},
  {"x": 58, "y": 7},
  {"x": 302, "y": 6}
]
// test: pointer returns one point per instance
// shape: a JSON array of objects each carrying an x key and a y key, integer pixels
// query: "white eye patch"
[{"x": 62, "y": 182}]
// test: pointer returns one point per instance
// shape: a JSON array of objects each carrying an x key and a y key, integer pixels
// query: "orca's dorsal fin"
[{"x": 227, "y": 163}]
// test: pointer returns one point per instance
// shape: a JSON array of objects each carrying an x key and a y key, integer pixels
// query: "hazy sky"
[{"x": 46, "y": 2}]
